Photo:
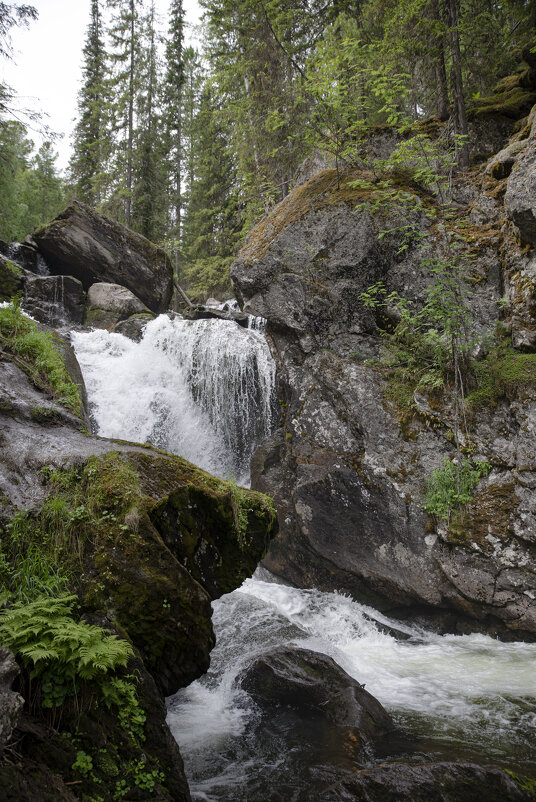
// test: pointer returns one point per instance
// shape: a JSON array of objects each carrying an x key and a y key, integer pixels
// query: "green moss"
[
  {"x": 11, "y": 279},
  {"x": 503, "y": 374},
  {"x": 514, "y": 102},
  {"x": 38, "y": 354}
]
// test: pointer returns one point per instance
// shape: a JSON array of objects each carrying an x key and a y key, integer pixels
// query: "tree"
[
  {"x": 92, "y": 141},
  {"x": 173, "y": 96}
]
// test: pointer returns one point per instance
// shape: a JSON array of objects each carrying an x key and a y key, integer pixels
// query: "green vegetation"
[
  {"x": 502, "y": 374},
  {"x": 39, "y": 355},
  {"x": 452, "y": 486}
]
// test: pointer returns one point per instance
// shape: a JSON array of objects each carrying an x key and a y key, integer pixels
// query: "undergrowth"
[
  {"x": 39, "y": 354},
  {"x": 451, "y": 486}
]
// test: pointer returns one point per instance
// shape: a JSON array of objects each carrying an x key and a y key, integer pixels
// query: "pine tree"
[
  {"x": 92, "y": 134},
  {"x": 125, "y": 39},
  {"x": 173, "y": 96}
]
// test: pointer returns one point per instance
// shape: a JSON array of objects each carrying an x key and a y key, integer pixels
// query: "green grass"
[{"x": 40, "y": 355}]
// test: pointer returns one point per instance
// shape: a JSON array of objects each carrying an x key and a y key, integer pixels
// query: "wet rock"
[
  {"x": 109, "y": 304},
  {"x": 133, "y": 326},
  {"x": 11, "y": 703},
  {"x": 315, "y": 686},
  {"x": 84, "y": 244},
  {"x": 55, "y": 300},
  {"x": 429, "y": 782},
  {"x": 11, "y": 279}
]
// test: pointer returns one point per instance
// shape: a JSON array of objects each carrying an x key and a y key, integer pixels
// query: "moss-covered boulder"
[
  {"x": 11, "y": 279},
  {"x": 93, "y": 248}
]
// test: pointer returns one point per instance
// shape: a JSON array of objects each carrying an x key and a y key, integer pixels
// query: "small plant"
[
  {"x": 452, "y": 486},
  {"x": 83, "y": 764},
  {"x": 145, "y": 779},
  {"x": 61, "y": 653}
]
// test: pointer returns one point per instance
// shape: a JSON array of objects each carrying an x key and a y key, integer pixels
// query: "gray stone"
[
  {"x": 520, "y": 198},
  {"x": 54, "y": 300},
  {"x": 11, "y": 703},
  {"x": 114, "y": 298},
  {"x": 84, "y": 244}
]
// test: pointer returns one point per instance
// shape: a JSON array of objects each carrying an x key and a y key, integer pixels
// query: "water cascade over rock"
[{"x": 203, "y": 389}]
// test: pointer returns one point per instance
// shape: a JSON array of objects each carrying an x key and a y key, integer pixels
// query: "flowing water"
[{"x": 204, "y": 389}]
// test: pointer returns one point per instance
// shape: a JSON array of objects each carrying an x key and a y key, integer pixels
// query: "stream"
[{"x": 205, "y": 390}]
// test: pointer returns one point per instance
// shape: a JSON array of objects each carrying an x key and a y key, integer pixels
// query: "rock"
[
  {"x": 109, "y": 304},
  {"x": 209, "y": 313},
  {"x": 133, "y": 326},
  {"x": 84, "y": 244},
  {"x": 500, "y": 166},
  {"x": 520, "y": 198},
  {"x": 428, "y": 782},
  {"x": 11, "y": 703},
  {"x": 114, "y": 298},
  {"x": 348, "y": 467},
  {"x": 322, "y": 719},
  {"x": 11, "y": 279},
  {"x": 55, "y": 300},
  {"x": 315, "y": 686}
]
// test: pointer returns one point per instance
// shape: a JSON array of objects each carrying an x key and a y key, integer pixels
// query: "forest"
[{"x": 191, "y": 147}]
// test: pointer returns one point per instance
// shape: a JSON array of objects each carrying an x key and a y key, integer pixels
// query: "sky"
[{"x": 46, "y": 72}]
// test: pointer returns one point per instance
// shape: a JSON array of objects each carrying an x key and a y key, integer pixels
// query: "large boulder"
[
  {"x": 109, "y": 304},
  {"x": 348, "y": 466},
  {"x": 91, "y": 247}
]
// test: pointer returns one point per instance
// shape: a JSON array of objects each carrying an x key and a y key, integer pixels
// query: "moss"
[
  {"x": 504, "y": 373},
  {"x": 488, "y": 515},
  {"x": 11, "y": 279},
  {"x": 38, "y": 354},
  {"x": 514, "y": 102}
]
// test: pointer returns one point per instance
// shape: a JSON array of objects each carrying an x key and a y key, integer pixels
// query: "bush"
[{"x": 452, "y": 486}]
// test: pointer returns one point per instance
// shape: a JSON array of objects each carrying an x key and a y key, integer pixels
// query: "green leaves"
[
  {"x": 452, "y": 486},
  {"x": 59, "y": 650}
]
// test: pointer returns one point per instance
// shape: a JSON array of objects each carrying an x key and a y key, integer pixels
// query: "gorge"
[{"x": 435, "y": 614}]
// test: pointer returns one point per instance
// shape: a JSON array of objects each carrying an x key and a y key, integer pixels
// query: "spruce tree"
[
  {"x": 173, "y": 96},
  {"x": 92, "y": 133}
]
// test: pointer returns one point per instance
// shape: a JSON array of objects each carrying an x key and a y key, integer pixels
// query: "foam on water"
[{"x": 469, "y": 691}]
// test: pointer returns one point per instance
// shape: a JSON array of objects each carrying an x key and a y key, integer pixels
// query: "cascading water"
[{"x": 204, "y": 389}]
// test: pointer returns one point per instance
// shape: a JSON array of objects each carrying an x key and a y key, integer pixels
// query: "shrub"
[{"x": 452, "y": 486}]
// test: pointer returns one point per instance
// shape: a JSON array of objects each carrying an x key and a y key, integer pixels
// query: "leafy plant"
[
  {"x": 451, "y": 486},
  {"x": 61, "y": 653}
]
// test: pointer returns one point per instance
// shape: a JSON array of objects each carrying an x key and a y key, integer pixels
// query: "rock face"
[
  {"x": 55, "y": 300},
  {"x": 520, "y": 199},
  {"x": 348, "y": 467},
  {"x": 93, "y": 248},
  {"x": 11, "y": 703},
  {"x": 11, "y": 279}
]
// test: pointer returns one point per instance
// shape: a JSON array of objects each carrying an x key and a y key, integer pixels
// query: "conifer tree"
[
  {"x": 92, "y": 134},
  {"x": 173, "y": 97}
]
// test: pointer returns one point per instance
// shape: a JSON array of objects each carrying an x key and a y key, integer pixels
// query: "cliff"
[{"x": 403, "y": 322}]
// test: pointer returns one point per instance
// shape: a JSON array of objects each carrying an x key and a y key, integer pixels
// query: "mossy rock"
[{"x": 11, "y": 279}]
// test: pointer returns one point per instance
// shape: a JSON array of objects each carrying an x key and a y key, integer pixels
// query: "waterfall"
[{"x": 203, "y": 389}]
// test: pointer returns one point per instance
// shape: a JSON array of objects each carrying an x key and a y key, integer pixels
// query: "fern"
[{"x": 61, "y": 651}]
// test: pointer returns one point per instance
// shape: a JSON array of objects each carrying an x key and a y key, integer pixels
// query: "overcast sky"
[{"x": 48, "y": 59}]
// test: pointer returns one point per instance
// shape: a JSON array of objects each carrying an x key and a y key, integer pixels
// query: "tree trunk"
[
  {"x": 440, "y": 72},
  {"x": 457, "y": 82},
  {"x": 128, "y": 203}
]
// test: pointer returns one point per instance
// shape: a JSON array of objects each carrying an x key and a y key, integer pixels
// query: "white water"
[
  {"x": 202, "y": 389},
  {"x": 462, "y": 696}
]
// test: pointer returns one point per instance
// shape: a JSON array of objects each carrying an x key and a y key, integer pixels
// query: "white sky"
[{"x": 48, "y": 60}]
